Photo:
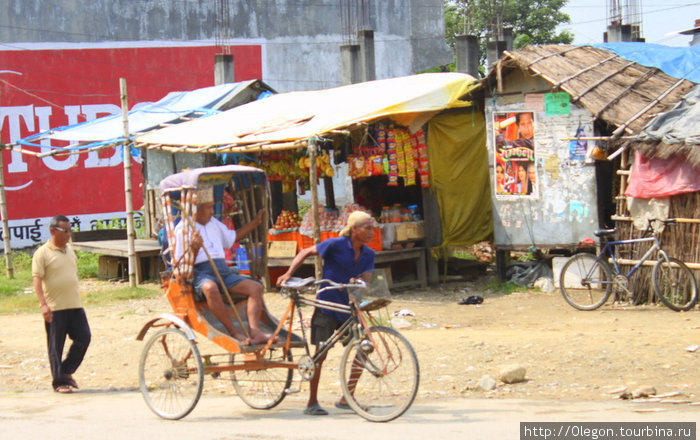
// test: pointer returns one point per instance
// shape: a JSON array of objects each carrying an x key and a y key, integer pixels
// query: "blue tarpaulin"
[{"x": 678, "y": 62}]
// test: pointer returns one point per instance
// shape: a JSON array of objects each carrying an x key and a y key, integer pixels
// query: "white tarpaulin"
[
  {"x": 109, "y": 130},
  {"x": 301, "y": 115},
  {"x": 173, "y": 106}
]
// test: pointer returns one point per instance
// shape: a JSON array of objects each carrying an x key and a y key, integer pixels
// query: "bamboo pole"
[
  {"x": 313, "y": 145},
  {"x": 130, "y": 234},
  {"x": 618, "y": 132},
  {"x": 9, "y": 266}
]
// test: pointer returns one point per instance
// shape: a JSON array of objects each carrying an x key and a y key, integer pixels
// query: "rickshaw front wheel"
[{"x": 171, "y": 374}]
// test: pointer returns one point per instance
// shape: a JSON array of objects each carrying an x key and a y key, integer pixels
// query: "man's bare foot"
[
  {"x": 242, "y": 339},
  {"x": 258, "y": 337}
]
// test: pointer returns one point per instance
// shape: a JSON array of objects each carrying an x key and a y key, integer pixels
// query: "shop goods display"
[
  {"x": 393, "y": 152},
  {"x": 287, "y": 221}
]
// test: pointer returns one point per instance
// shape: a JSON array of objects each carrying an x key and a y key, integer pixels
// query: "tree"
[{"x": 532, "y": 21}]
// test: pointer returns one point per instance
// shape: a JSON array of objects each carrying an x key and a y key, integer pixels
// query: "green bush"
[{"x": 87, "y": 264}]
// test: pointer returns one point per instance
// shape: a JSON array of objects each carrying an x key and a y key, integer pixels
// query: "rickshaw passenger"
[
  {"x": 345, "y": 258},
  {"x": 214, "y": 236}
]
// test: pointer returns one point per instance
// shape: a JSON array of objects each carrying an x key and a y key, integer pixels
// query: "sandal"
[
  {"x": 341, "y": 405},
  {"x": 315, "y": 410},
  {"x": 63, "y": 389}
]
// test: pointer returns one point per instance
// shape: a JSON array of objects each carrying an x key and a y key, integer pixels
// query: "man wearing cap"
[
  {"x": 211, "y": 237},
  {"x": 345, "y": 258}
]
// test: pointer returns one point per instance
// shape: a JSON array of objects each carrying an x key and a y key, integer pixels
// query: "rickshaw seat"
[{"x": 268, "y": 324}]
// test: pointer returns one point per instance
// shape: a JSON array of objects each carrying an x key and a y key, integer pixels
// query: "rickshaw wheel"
[
  {"x": 379, "y": 375},
  {"x": 171, "y": 374},
  {"x": 262, "y": 388}
]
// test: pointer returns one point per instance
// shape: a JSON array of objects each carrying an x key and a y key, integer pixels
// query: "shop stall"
[{"x": 412, "y": 146}]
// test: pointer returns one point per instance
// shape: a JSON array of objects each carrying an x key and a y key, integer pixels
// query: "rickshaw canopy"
[{"x": 210, "y": 176}]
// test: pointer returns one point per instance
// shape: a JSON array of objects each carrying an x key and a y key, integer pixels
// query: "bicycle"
[
  {"x": 587, "y": 280},
  {"x": 379, "y": 370}
]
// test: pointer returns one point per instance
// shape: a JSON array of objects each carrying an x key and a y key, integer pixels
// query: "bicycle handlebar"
[{"x": 300, "y": 284}]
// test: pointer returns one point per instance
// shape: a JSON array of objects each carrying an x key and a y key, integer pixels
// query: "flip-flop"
[
  {"x": 315, "y": 410},
  {"x": 341, "y": 405},
  {"x": 73, "y": 383},
  {"x": 63, "y": 389}
]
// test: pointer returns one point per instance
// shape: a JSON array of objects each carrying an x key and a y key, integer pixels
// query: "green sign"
[{"x": 556, "y": 103}]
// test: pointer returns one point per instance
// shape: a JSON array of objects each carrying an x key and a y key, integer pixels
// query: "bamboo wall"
[{"x": 681, "y": 240}]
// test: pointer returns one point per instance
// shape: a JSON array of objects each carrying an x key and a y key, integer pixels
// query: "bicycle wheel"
[
  {"x": 675, "y": 284},
  {"x": 171, "y": 374},
  {"x": 379, "y": 375},
  {"x": 262, "y": 388},
  {"x": 586, "y": 281}
]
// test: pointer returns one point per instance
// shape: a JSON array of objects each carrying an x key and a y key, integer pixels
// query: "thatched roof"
[
  {"x": 676, "y": 132},
  {"x": 620, "y": 92}
]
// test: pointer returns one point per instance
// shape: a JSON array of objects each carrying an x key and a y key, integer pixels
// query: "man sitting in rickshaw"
[{"x": 212, "y": 237}]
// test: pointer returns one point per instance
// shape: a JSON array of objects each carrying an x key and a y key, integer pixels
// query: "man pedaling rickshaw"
[{"x": 210, "y": 239}]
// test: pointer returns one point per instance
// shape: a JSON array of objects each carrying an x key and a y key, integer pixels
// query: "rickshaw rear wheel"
[
  {"x": 171, "y": 374},
  {"x": 262, "y": 388}
]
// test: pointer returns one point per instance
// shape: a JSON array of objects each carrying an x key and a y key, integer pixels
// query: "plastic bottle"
[
  {"x": 385, "y": 214},
  {"x": 395, "y": 214},
  {"x": 415, "y": 212}
]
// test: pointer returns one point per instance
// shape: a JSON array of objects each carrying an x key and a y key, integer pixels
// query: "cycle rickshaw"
[{"x": 379, "y": 369}]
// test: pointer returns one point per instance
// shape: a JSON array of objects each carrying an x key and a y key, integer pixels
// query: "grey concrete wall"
[{"x": 301, "y": 39}]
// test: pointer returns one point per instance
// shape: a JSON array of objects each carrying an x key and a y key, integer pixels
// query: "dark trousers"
[{"x": 72, "y": 323}]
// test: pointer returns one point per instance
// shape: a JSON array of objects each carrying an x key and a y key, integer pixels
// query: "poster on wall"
[
  {"x": 46, "y": 85},
  {"x": 515, "y": 171}
]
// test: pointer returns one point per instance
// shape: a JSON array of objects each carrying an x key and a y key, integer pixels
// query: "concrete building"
[{"x": 299, "y": 40}]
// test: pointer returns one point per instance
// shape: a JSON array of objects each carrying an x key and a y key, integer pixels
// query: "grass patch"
[
  {"x": 17, "y": 294},
  {"x": 504, "y": 287},
  {"x": 105, "y": 296}
]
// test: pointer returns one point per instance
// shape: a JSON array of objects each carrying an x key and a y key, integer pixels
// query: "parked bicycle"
[{"x": 587, "y": 280}]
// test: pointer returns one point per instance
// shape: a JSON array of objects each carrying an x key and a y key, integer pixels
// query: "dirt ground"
[{"x": 568, "y": 354}]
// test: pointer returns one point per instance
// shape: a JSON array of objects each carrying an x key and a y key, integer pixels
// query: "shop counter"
[{"x": 382, "y": 259}]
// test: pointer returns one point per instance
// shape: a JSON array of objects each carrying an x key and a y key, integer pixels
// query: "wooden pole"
[
  {"x": 130, "y": 234},
  {"x": 313, "y": 183},
  {"x": 10, "y": 267},
  {"x": 5, "y": 224}
]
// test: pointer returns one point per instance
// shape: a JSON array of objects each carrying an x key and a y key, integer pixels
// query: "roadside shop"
[
  {"x": 412, "y": 148},
  {"x": 563, "y": 124}
]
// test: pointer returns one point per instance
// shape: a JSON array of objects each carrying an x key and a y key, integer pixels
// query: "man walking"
[{"x": 55, "y": 279}]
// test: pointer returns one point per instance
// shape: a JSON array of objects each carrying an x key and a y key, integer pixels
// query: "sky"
[{"x": 589, "y": 20}]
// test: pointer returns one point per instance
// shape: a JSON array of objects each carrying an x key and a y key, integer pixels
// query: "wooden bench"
[
  {"x": 114, "y": 257},
  {"x": 382, "y": 259}
]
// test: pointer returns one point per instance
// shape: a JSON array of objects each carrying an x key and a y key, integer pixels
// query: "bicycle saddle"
[{"x": 605, "y": 232}]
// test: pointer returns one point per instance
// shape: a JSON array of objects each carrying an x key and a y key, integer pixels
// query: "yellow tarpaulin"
[
  {"x": 409, "y": 100},
  {"x": 459, "y": 175}
]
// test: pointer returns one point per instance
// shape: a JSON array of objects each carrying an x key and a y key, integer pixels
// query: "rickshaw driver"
[
  {"x": 345, "y": 258},
  {"x": 214, "y": 236}
]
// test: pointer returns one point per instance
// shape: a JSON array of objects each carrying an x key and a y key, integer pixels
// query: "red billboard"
[{"x": 45, "y": 88}]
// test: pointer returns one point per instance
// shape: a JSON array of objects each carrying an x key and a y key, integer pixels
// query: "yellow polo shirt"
[{"x": 58, "y": 268}]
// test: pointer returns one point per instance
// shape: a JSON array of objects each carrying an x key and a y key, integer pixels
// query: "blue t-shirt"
[{"x": 339, "y": 265}]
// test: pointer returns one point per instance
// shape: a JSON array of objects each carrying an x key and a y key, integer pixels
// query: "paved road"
[{"x": 93, "y": 414}]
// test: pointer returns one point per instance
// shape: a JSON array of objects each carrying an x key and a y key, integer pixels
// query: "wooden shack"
[{"x": 586, "y": 103}]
